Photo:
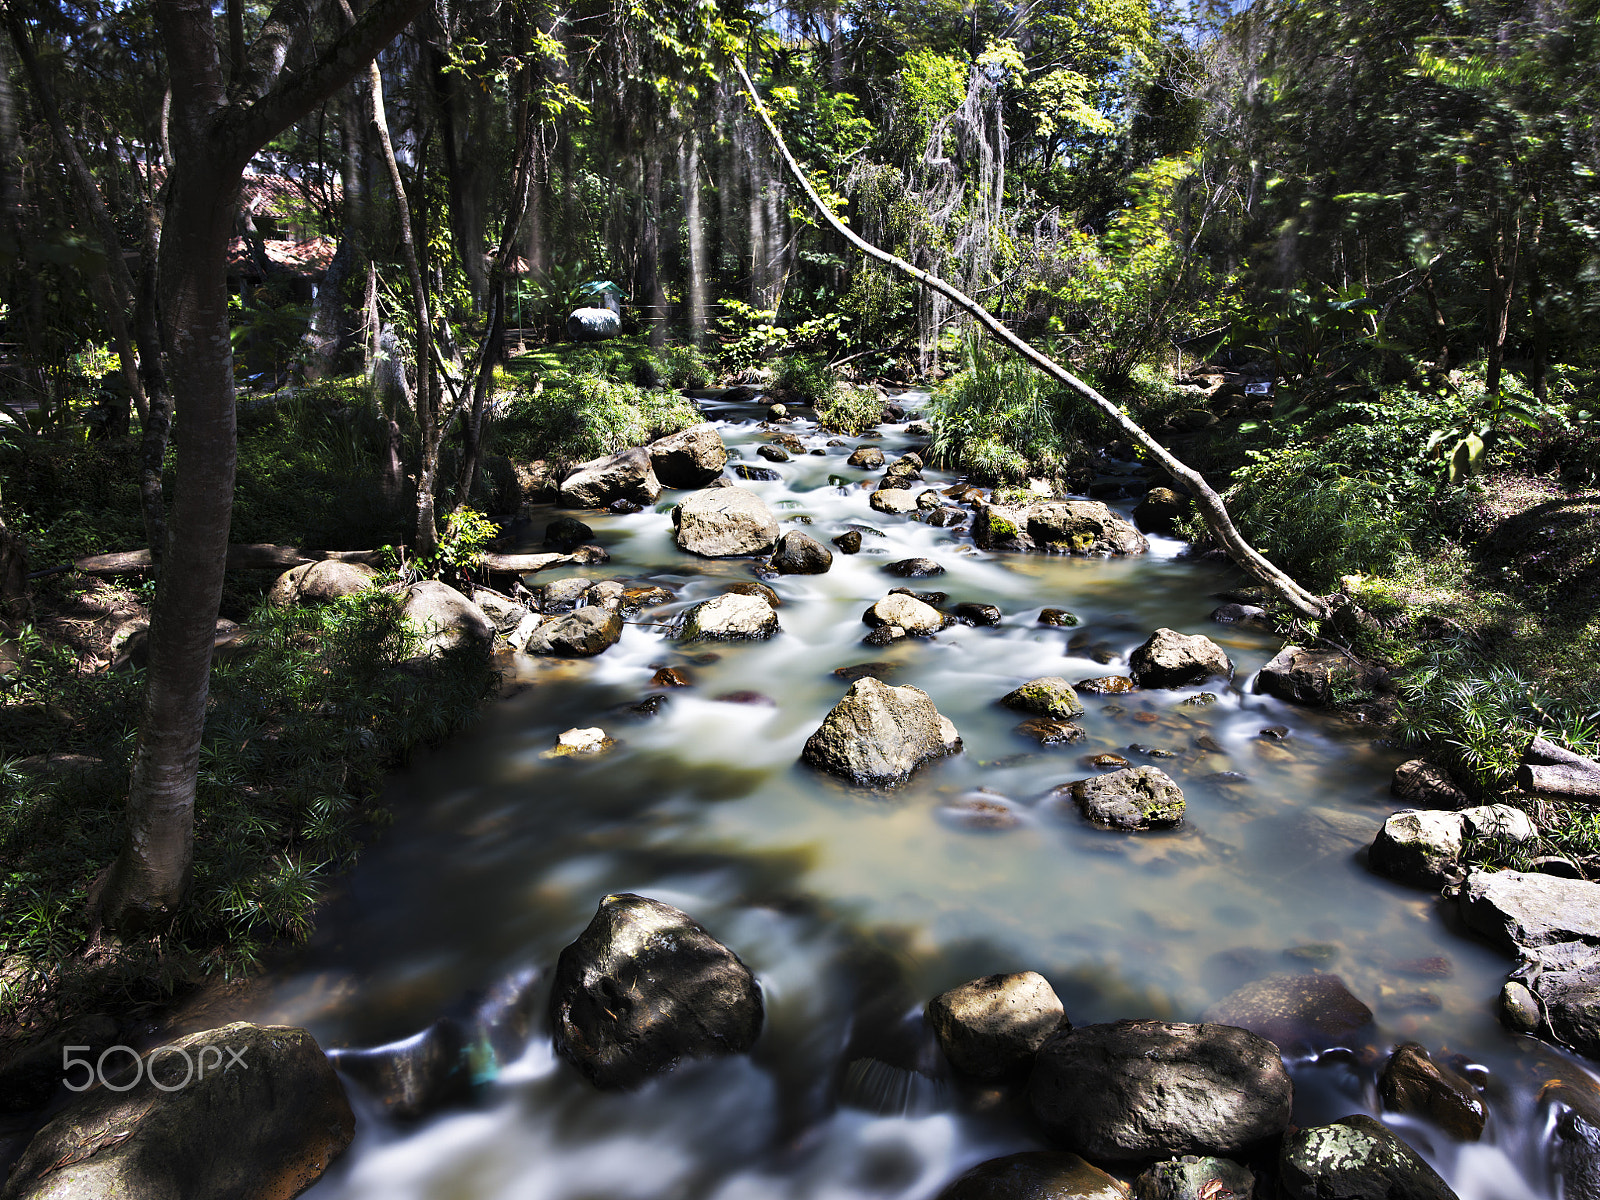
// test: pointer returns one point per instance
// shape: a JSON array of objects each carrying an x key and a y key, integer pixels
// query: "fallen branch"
[
  {"x": 1212, "y": 510},
  {"x": 1556, "y": 771},
  {"x": 527, "y": 564},
  {"x": 252, "y": 557}
]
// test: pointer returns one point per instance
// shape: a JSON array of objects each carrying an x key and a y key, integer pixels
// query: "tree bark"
[
  {"x": 1556, "y": 771},
  {"x": 1210, "y": 504},
  {"x": 214, "y": 135},
  {"x": 1505, "y": 241},
  {"x": 694, "y": 232}
]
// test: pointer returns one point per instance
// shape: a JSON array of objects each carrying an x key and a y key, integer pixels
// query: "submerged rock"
[
  {"x": 1049, "y": 732},
  {"x": 644, "y": 987},
  {"x": 1296, "y": 1012},
  {"x": 1169, "y": 659},
  {"x": 849, "y": 542},
  {"x": 993, "y": 1026},
  {"x": 243, "y": 1110},
  {"x": 1134, "y": 800},
  {"x": 1356, "y": 1158},
  {"x": 725, "y": 522},
  {"x": 977, "y": 614},
  {"x": 914, "y": 568},
  {"x": 730, "y": 617},
  {"x": 1421, "y": 783},
  {"x": 877, "y": 735},
  {"x": 690, "y": 458},
  {"x": 1035, "y": 1175},
  {"x": 1149, "y": 1089}
]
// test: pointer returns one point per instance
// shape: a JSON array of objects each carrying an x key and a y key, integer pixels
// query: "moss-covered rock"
[{"x": 1048, "y": 696}]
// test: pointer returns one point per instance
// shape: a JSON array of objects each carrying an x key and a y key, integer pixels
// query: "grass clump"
[
  {"x": 585, "y": 414},
  {"x": 849, "y": 410},
  {"x": 303, "y": 721}
]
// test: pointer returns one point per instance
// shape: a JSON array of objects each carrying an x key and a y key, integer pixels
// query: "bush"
[
  {"x": 681, "y": 367},
  {"x": 588, "y": 415},
  {"x": 804, "y": 379},
  {"x": 849, "y": 410}
]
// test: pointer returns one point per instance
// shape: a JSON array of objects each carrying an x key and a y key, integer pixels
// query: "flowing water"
[{"x": 854, "y": 908}]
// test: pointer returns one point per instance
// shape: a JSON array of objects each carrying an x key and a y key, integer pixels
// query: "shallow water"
[{"x": 854, "y": 908}]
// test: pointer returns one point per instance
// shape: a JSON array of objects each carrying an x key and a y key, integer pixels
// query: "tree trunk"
[
  {"x": 331, "y": 334},
  {"x": 694, "y": 232},
  {"x": 1504, "y": 244},
  {"x": 649, "y": 277},
  {"x": 212, "y": 141},
  {"x": 1210, "y": 504}
]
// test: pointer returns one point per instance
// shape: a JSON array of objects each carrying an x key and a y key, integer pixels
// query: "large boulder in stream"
[
  {"x": 583, "y": 633},
  {"x": 1315, "y": 678},
  {"x": 444, "y": 618},
  {"x": 600, "y": 482},
  {"x": 900, "y": 611},
  {"x": 1035, "y": 1175},
  {"x": 644, "y": 987},
  {"x": 1083, "y": 527},
  {"x": 690, "y": 458},
  {"x": 241, "y": 1111},
  {"x": 1521, "y": 910},
  {"x": 877, "y": 735},
  {"x": 725, "y": 522},
  {"x": 1356, "y": 1158},
  {"x": 1153, "y": 1089},
  {"x": 1169, "y": 659},
  {"x": 731, "y": 617},
  {"x": 1133, "y": 800}
]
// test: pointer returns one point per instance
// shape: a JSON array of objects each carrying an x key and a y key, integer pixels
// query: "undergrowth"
[{"x": 302, "y": 722}]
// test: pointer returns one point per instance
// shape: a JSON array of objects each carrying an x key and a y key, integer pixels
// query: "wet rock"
[
  {"x": 625, "y": 475},
  {"x": 624, "y": 508},
  {"x": 884, "y": 635},
  {"x": 773, "y": 453},
  {"x": 1355, "y": 1159},
  {"x": 906, "y": 612},
  {"x": 730, "y": 617},
  {"x": 993, "y": 1026},
  {"x": 1084, "y": 527},
  {"x": 895, "y": 502},
  {"x": 1576, "y": 1145},
  {"x": 756, "y": 474},
  {"x": 902, "y": 473},
  {"x": 583, "y": 633},
  {"x": 725, "y": 522},
  {"x": 1147, "y": 1089},
  {"x": 608, "y": 594},
  {"x": 977, "y": 614},
  {"x": 878, "y": 735},
  {"x": 777, "y": 412},
  {"x": 445, "y": 618},
  {"x": 321, "y": 582},
  {"x": 759, "y": 699},
  {"x": 913, "y": 568},
  {"x": 672, "y": 677},
  {"x": 31, "y": 1074},
  {"x": 870, "y": 670},
  {"x": 870, "y": 457},
  {"x": 1105, "y": 685},
  {"x": 645, "y": 986},
  {"x": 1296, "y": 1012},
  {"x": 981, "y": 811},
  {"x": 1169, "y": 659},
  {"x": 506, "y": 614},
  {"x": 801, "y": 554},
  {"x": 929, "y": 500},
  {"x": 1519, "y": 1011},
  {"x": 1195, "y": 1178},
  {"x": 1048, "y": 696},
  {"x": 848, "y": 542},
  {"x": 1414, "y": 1084},
  {"x": 636, "y": 598},
  {"x": 1159, "y": 510},
  {"x": 1149, "y": 751},
  {"x": 931, "y": 599},
  {"x": 1421, "y": 783},
  {"x": 1421, "y": 848},
  {"x": 947, "y": 518},
  {"x": 1106, "y": 762},
  {"x": 564, "y": 595},
  {"x": 690, "y": 458},
  {"x": 264, "y": 1118},
  {"x": 999, "y": 528},
  {"x": 1516, "y": 910},
  {"x": 1313, "y": 677},
  {"x": 754, "y": 589},
  {"x": 1242, "y": 614},
  {"x": 1134, "y": 800},
  {"x": 1035, "y": 1175},
  {"x": 1048, "y": 732},
  {"x": 741, "y": 393},
  {"x": 581, "y": 743},
  {"x": 1058, "y": 617}
]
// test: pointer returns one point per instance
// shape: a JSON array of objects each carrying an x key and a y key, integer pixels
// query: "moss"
[{"x": 1001, "y": 527}]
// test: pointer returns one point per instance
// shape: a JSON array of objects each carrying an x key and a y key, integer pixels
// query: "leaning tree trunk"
[
  {"x": 213, "y": 138},
  {"x": 1210, "y": 504}
]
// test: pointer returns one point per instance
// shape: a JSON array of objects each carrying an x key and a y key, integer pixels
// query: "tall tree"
[{"x": 216, "y": 128}]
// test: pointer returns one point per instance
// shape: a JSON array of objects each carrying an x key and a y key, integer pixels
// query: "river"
[{"x": 854, "y": 909}]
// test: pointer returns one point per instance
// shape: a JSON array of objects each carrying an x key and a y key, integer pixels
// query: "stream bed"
[{"x": 853, "y": 908}]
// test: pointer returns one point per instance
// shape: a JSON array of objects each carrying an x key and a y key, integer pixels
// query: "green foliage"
[
  {"x": 999, "y": 420},
  {"x": 303, "y": 722},
  {"x": 586, "y": 414},
  {"x": 681, "y": 367},
  {"x": 467, "y": 533},
  {"x": 849, "y": 410},
  {"x": 804, "y": 379}
]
